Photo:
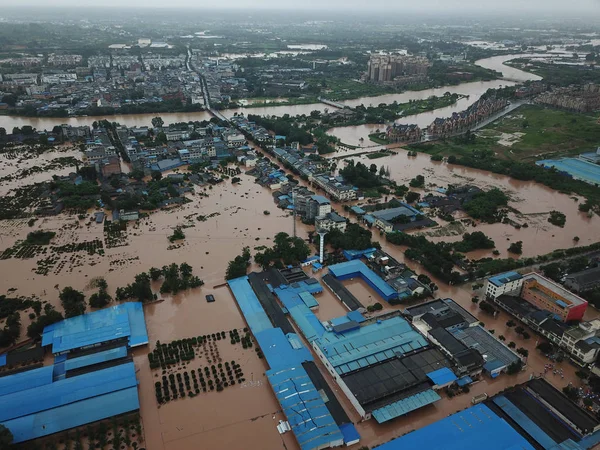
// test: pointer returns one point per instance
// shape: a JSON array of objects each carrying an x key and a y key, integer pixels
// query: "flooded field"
[
  {"x": 18, "y": 167},
  {"x": 251, "y": 406},
  {"x": 237, "y": 416},
  {"x": 532, "y": 203}
]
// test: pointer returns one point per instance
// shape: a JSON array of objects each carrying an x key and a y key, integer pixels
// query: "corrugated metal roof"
[
  {"x": 25, "y": 380},
  {"x": 73, "y": 415},
  {"x": 475, "y": 428},
  {"x": 530, "y": 427},
  {"x": 404, "y": 406},
  {"x": 96, "y": 358},
  {"x": 120, "y": 321},
  {"x": 279, "y": 351},
  {"x": 356, "y": 268},
  {"x": 251, "y": 308},
  {"x": 65, "y": 391},
  {"x": 442, "y": 376},
  {"x": 370, "y": 344},
  {"x": 309, "y": 418}
]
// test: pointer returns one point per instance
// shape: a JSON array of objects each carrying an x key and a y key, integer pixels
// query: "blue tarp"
[
  {"x": 350, "y": 433},
  {"x": 356, "y": 268},
  {"x": 95, "y": 358},
  {"x": 441, "y": 376},
  {"x": 125, "y": 320},
  {"x": 475, "y": 428},
  {"x": 3, "y": 360},
  {"x": 406, "y": 405}
]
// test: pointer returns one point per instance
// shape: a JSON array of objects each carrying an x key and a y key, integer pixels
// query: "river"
[{"x": 473, "y": 90}]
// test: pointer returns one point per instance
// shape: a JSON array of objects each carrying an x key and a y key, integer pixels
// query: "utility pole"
[{"x": 294, "y": 212}]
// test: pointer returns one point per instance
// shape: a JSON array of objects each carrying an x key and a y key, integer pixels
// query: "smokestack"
[{"x": 322, "y": 234}]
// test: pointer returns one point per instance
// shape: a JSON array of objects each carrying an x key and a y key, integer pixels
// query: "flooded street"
[
  {"x": 209, "y": 245},
  {"x": 246, "y": 411}
]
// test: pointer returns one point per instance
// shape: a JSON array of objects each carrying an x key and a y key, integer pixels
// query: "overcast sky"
[{"x": 431, "y": 6}]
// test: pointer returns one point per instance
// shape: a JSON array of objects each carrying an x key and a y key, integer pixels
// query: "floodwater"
[
  {"x": 208, "y": 246},
  {"x": 473, "y": 89},
  {"x": 533, "y": 202},
  {"x": 509, "y": 73},
  {"x": 241, "y": 413},
  {"x": 13, "y": 163},
  {"x": 359, "y": 135},
  {"x": 249, "y": 412}
]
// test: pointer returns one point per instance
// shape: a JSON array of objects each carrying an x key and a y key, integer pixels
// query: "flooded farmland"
[
  {"x": 531, "y": 203},
  {"x": 235, "y": 417}
]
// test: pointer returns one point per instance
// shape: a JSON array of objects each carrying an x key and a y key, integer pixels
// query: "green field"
[{"x": 527, "y": 133}]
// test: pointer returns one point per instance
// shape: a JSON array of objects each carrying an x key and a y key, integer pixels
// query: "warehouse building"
[
  {"x": 530, "y": 416},
  {"x": 93, "y": 376},
  {"x": 358, "y": 269}
]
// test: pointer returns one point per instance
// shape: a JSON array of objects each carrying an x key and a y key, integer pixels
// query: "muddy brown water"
[
  {"x": 238, "y": 415},
  {"x": 245, "y": 416},
  {"x": 473, "y": 89}
]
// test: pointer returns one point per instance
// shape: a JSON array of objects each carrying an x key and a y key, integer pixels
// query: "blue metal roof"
[
  {"x": 442, "y": 376},
  {"x": 370, "y": 344},
  {"x": 95, "y": 358},
  {"x": 251, "y": 308},
  {"x": 42, "y": 409},
  {"x": 68, "y": 390},
  {"x": 303, "y": 406},
  {"x": 474, "y": 428},
  {"x": 25, "y": 380},
  {"x": 356, "y": 254},
  {"x": 356, "y": 316},
  {"x": 125, "y": 320},
  {"x": 350, "y": 269},
  {"x": 463, "y": 381},
  {"x": 530, "y": 427},
  {"x": 278, "y": 349},
  {"x": 306, "y": 320},
  {"x": 73, "y": 415},
  {"x": 406, "y": 405},
  {"x": 504, "y": 278},
  {"x": 320, "y": 199},
  {"x": 308, "y": 299}
]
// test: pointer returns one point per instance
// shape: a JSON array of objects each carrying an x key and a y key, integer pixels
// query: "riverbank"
[{"x": 472, "y": 89}]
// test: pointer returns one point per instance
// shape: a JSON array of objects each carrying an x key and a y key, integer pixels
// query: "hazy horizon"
[{"x": 424, "y": 6}]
